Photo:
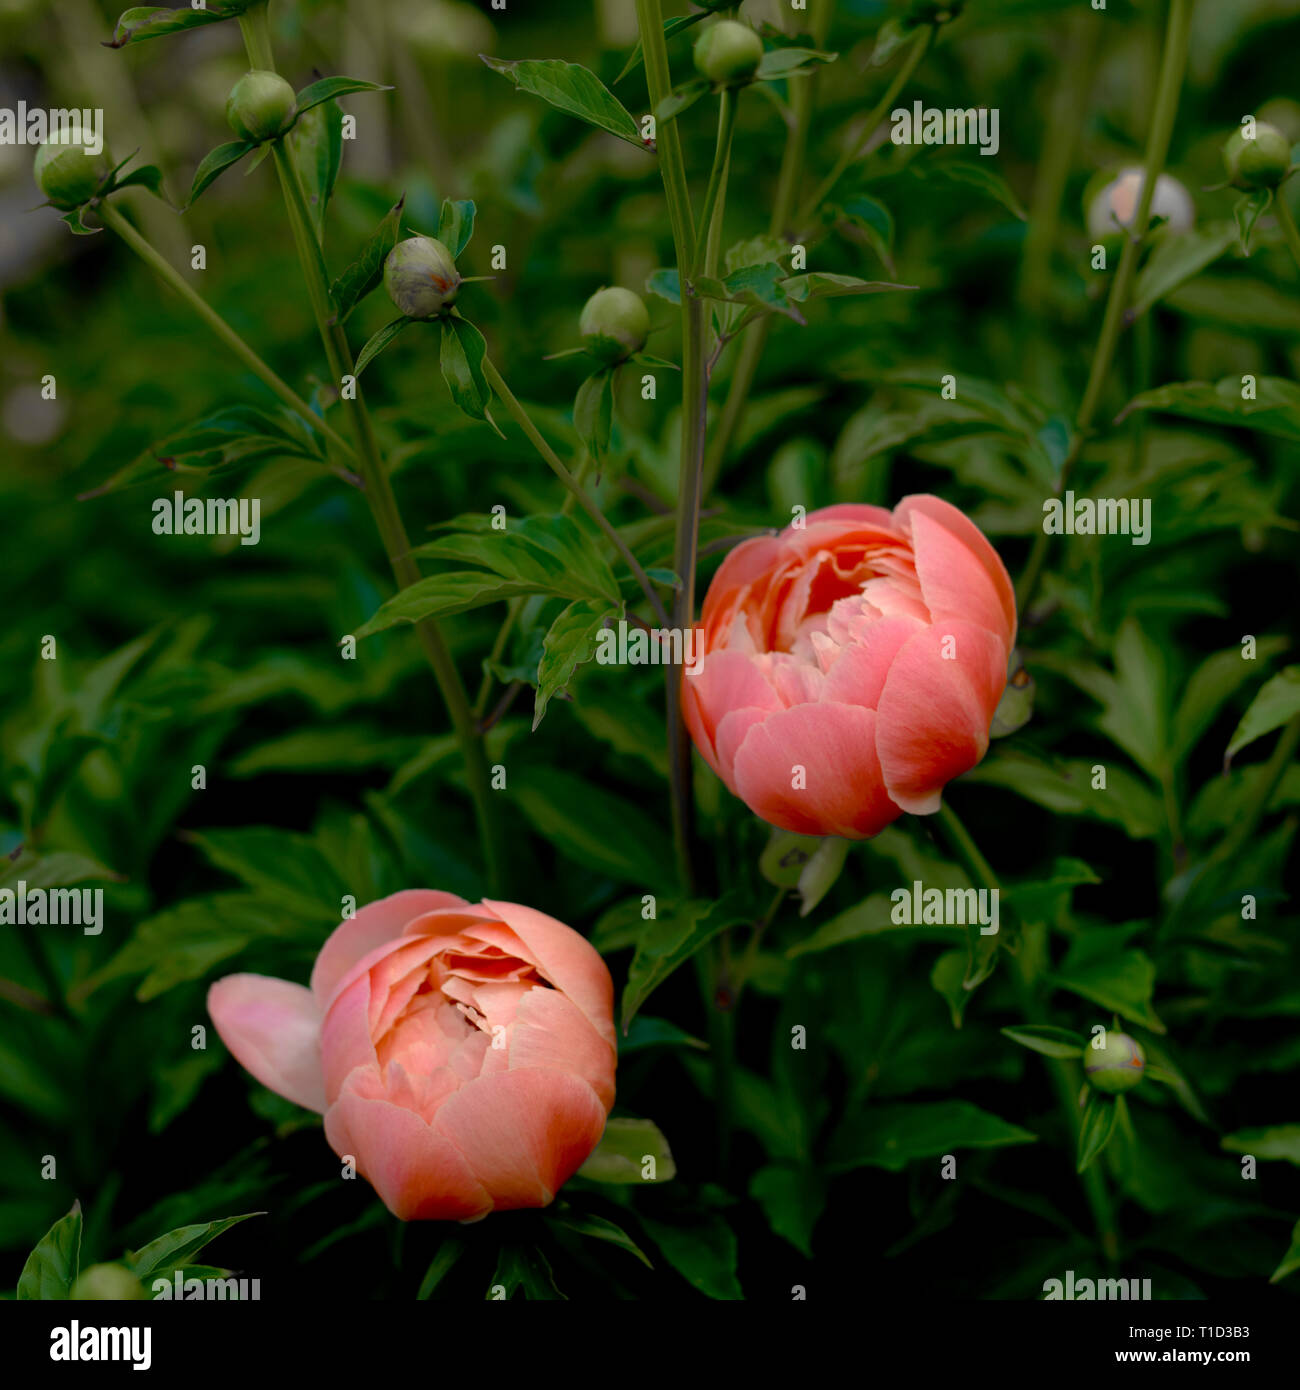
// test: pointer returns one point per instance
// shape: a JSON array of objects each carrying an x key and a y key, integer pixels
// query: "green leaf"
[
  {"x": 463, "y": 351},
  {"x": 876, "y": 223},
  {"x": 1290, "y": 1261},
  {"x": 786, "y": 855},
  {"x": 365, "y": 273},
  {"x": 670, "y": 941},
  {"x": 792, "y": 1199},
  {"x": 379, "y": 341},
  {"x": 571, "y": 88},
  {"x": 1176, "y": 260},
  {"x": 315, "y": 145},
  {"x": 449, "y": 1252},
  {"x": 671, "y": 27},
  {"x": 1272, "y": 1142},
  {"x": 443, "y": 595},
  {"x": 1121, "y": 980},
  {"x": 628, "y": 1150},
  {"x": 216, "y": 162},
  {"x": 682, "y": 99},
  {"x": 570, "y": 642},
  {"x": 526, "y": 1268},
  {"x": 1275, "y": 409},
  {"x": 977, "y": 176},
  {"x": 605, "y": 833},
  {"x": 148, "y": 176},
  {"x": 760, "y": 285},
  {"x": 1247, "y": 212},
  {"x": 1097, "y": 1127},
  {"x": 1213, "y": 682},
  {"x": 645, "y": 1031},
  {"x": 1277, "y": 703},
  {"x": 178, "y": 1247},
  {"x": 52, "y": 1267},
  {"x": 777, "y": 63},
  {"x": 593, "y": 412},
  {"x": 568, "y": 1218},
  {"x": 821, "y": 284},
  {"x": 329, "y": 87},
  {"x": 666, "y": 284},
  {"x": 702, "y": 1251},
  {"x": 286, "y": 869},
  {"x": 890, "y": 37},
  {"x": 456, "y": 225},
  {"x": 1051, "y": 1042},
  {"x": 154, "y": 21},
  {"x": 892, "y": 1136}
]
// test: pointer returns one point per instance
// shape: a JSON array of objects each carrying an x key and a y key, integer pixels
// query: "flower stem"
[
  {"x": 378, "y": 490},
  {"x": 706, "y": 255},
  {"x": 521, "y": 417},
  {"x": 172, "y": 277},
  {"x": 694, "y": 404},
  {"x": 1287, "y": 222},
  {"x": 1172, "y": 67},
  {"x": 1066, "y": 1077}
]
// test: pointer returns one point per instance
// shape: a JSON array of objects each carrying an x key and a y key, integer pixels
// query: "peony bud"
[
  {"x": 421, "y": 277},
  {"x": 261, "y": 106},
  {"x": 107, "y": 1284},
  {"x": 1116, "y": 204},
  {"x": 1116, "y": 1067},
  {"x": 728, "y": 53},
  {"x": 68, "y": 174},
  {"x": 1259, "y": 163},
  {"x": 614, "y": 325}
]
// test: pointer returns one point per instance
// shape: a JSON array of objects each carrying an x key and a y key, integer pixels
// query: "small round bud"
[
  {"x": 728, "y": 53},
  {"x": 68, "y": 174},
  {"x": 1116, "y": 1067},
  {"x": 614, "y": 324},
  {"x": 1258, "y": 163},
  {"x": 421, "y": 278},
  {"x": 107, "y": 1284},
  {"x": 1115, "y": 205},
  {"x": 260, "y": 107}
]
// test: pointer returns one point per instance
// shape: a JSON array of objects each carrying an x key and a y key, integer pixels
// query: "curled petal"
[{"x": 272, "y": 1028}]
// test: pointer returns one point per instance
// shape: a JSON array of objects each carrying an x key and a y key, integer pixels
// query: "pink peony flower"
[
  {"x": 463, "y": 1054},
  {"x": 848, "y": 669}
]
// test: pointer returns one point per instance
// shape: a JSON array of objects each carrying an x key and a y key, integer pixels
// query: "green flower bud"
[
  {"x": 1258, "y": 163},
  {"x": 728, "y": 53},
  {"x": 421, "y": 277},
  {"x": 68, "y": 174},
  {"x": 1116, "y": 1067},
  {"x": 107, "y": 1284},
  {"x": 260, "y": 107},
  {"x": 614, "y": 324}
]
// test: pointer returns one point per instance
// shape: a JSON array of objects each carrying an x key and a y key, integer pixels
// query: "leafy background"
[{"x": 327, "y": 777}]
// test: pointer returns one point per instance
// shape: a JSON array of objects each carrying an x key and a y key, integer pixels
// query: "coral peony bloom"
[
  {"x": 463, "y": 1053},
  {"x": 848, "y": 669}
]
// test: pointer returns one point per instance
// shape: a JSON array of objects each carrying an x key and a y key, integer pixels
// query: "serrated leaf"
[
  {"x": 365, "y": 273},
  {"x": 456, "y": 225},
  {"x": 461, "y": 358},
  {"x": 52, "y": 1268},
  {"x": 571, "y": 88},
  {"x": 570, "y": 642},
  {"x": 216, "y": 162}
]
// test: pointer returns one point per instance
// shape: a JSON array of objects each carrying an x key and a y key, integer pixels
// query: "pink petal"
[
  {"x": 966, "y": 580},
  {"x": 569, "y": 961},
  {"x": 843, "y": 791},
  {"x": 523, "y": 1133},
  {"x": 549, "y": 1032},
  {"x": 272, "y": 1029},
  {"x": 859, "y": 673},
  {"x": 727, "y": 680},
  {"x": 935, "y": 712},
  {"x": 419, "y": 1173},
  {"x": 374, "y": 924}
]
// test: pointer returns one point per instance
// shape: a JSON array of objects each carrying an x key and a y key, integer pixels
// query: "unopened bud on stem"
[
  {"x": 728, "y": 53},
  {"x": 68, "y": 174},
  {"x": 614, "y": 324},
  {"x": 260, "y": 107},
  {"x": 421, "y": 277},
  {"x": 1116, "y": 1067},
  {"x": 1259, "y": 163}
]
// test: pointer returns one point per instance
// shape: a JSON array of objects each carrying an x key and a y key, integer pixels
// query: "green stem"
[
  {"x": 694, "y": 404},
  {"x": 1172, "y": 67},
  {"x": 378, "y": 488},
  {"x": 1066, "y": 1078},
  {"x": 1286, "y": 221},
  {"x": 521, "y": 417},
  {"x": 170, "y": 276},
  {"x": 920, "y": 47},
  {"x": 712, "y": 210}
]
